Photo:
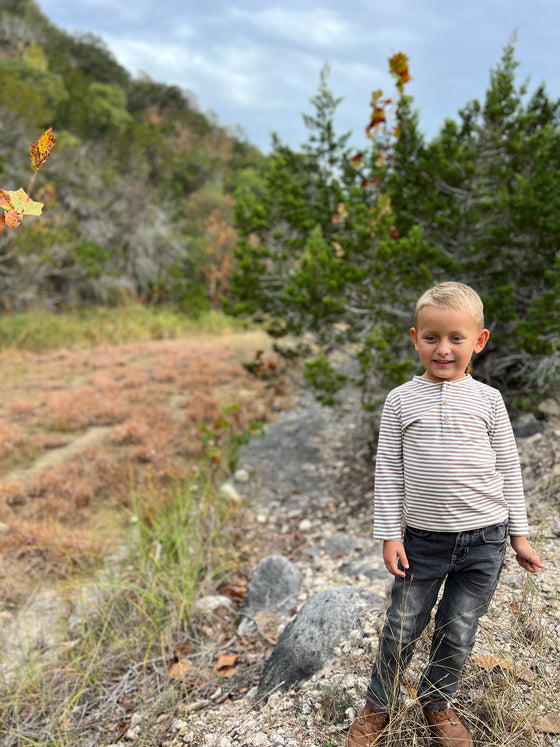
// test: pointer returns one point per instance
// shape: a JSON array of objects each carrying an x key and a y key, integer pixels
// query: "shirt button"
[
  {"x": 445, "y": 401},
  {"x": 446, "y": 419}
]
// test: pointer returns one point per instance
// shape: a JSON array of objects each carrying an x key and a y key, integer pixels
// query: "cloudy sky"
[{"x": 256, "y": 63}]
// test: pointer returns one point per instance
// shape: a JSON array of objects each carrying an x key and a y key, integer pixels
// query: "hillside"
[
  {"x": 308, "y": 491},
  {"x": 139, "y": 189}
]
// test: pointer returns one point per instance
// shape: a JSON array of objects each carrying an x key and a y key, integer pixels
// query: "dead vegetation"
[{"x": 81, "y": 429}]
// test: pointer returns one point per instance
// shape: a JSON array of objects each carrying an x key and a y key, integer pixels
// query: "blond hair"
[{"x": 455, "y": 297}]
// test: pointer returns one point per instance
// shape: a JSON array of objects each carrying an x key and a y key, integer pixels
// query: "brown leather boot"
[
  {"x": 367, "y": 728},
  {"x": 447, "y": 728}
]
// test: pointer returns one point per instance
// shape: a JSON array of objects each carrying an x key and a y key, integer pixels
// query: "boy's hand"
[
  {"x": 393, "y": 551},
  {"x": 525, "y": 555}
]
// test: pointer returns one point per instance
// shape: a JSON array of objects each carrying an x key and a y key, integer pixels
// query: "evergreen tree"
[
  {"x": 485, "y": 194},
  {"x": 317, "y": 253}
]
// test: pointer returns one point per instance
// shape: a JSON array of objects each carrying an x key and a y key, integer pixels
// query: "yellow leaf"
[
  {"x": 41, "y": 150},
  {"x": 23, "y": 204}
]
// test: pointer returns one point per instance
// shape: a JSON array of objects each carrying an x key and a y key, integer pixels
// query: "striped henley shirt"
[{"x": 446, "y": 460}]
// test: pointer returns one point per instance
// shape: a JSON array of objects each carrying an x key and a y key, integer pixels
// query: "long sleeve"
[
  {"x": 507, "y": 464},
  {"x": 389, "y": 475}
]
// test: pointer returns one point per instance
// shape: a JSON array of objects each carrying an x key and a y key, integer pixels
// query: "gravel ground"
[{"x": 309, "y": 483}]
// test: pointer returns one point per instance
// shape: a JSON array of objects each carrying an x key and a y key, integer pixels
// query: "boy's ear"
[
  {"x": 481, "y": 341},
  {"x": 414, "y": 337}
]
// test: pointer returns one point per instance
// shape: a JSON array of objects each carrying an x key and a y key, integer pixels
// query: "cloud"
[{"x": 320, "y": 27}]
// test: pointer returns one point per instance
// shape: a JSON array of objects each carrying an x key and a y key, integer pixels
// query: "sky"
[{"x": 256, "y": 64}]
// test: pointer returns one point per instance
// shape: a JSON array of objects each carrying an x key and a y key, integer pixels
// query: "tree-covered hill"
[{"x": 138, "y": 190}]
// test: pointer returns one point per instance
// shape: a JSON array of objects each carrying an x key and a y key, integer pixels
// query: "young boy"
[{"x": 447, "y": 465}]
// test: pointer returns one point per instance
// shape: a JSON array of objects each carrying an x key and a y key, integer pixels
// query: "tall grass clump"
[
  {"x": 112, "y": 656},
  {"x": 42, "y": 331}
]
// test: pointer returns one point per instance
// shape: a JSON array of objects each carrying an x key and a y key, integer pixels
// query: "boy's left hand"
[{"x": 526, "y": 555}]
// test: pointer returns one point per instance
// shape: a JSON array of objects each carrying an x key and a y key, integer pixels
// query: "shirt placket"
[{"x": 445, "y": 406}]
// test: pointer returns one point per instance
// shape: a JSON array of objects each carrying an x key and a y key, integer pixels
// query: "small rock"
[
  {"x": 241, "y": 475},
  {"x": 230, "y": 491},
  {"x": 550, "y": 408},
  {"x": 212, "y": 602},
  {"x": 258, "y": 740},
  {"x": 274, "y": 586},
  {"x": 527, "y": 425},
  {"x": 341, "y": 543}
]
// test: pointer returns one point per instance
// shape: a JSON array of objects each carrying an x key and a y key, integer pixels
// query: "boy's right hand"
[{"x": 393, "y": 551}]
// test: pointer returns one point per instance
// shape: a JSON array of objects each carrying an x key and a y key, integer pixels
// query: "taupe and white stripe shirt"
[{"x": 446, "y": 460}]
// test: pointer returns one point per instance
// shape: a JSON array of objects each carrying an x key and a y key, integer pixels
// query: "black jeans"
[{"x": 470, "y": 564}]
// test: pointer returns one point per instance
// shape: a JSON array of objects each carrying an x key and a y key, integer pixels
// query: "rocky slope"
[{"x": 309, "y": 486}]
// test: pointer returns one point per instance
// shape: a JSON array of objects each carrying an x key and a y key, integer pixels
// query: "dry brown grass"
[{"x": 80, "y": 428}]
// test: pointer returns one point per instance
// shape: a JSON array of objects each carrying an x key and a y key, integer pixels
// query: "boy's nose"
[{"x": 444, "y": 347}]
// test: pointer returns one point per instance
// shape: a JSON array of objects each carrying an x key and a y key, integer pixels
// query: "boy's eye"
[{"x": 457, "y": 338}]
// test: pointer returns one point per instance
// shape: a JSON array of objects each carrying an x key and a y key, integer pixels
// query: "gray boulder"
[
  {"x": 527, "y": 425},
  {"x": 309, "y": 641},
  {"x": 273, "y": 588},
  {"x": 341, "y": 543}
]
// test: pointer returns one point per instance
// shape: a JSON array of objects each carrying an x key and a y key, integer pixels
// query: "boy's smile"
[{"x": 445, "y": 341}]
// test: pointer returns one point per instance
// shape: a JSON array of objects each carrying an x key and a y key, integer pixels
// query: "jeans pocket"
[{"x": 497, "y": 534}]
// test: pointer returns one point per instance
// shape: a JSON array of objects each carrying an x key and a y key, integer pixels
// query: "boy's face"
[{"x": 445, "y": 341}]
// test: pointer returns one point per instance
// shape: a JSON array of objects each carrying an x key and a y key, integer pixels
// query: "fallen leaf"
[
  {"x": 548, "y": 725},
  {"x": 182, "y": 650},
  {"x": 489, "y": 662},
  {"x": 225, "y": 661},
  {"x": 266, "y": 622},
  {"x": 178, "y": 670},
  {"x": 236, "y": 589}
]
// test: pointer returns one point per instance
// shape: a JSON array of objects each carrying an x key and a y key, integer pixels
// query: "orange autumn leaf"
[
  {"x": 178, "y": 670},
  {"x": 2, "y": 222},
  {"x": 226, "y": 660},
  {"x": 225, "y": 666},
  {"x": 236, "y": 589},
  {"x": 16, "y": 205},
  {"x": 377, "y": 118},
  {"x": 370, "y": 182},
  {"x": 41, "y": 150},
  {"x": 356, "y": 160},
  {"x": 398, "y": 66},
  {"x": 13, "y": 218}
]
